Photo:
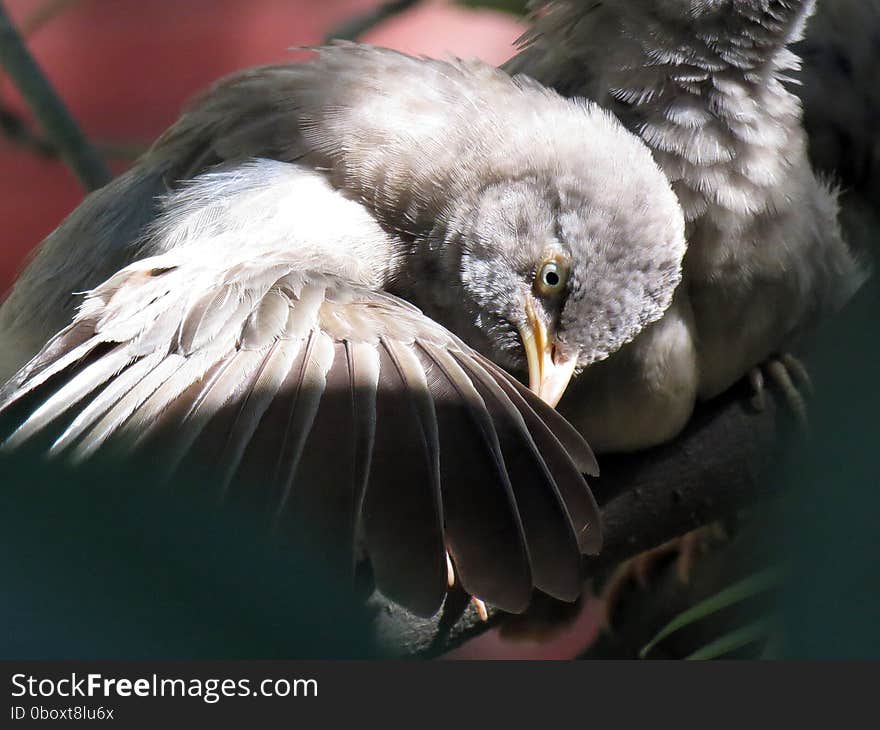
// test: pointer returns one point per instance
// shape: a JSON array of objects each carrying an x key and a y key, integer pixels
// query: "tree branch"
[
  {"x": 356, "y": 27},
  {"x": 18, "y": 131},
  {"x": 61, "y": 129},
  {"x": 711, "y": 471}
]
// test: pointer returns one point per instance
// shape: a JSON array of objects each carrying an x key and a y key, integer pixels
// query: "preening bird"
[
  {"x": 704, "y": 85},
  {"x": 246, "y": 284}
]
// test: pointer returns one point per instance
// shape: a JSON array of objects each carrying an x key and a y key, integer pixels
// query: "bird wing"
[{"x": 356, "y": 422}]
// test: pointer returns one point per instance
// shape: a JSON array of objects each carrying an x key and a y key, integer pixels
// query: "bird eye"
[{"x": 551, "y": 278}]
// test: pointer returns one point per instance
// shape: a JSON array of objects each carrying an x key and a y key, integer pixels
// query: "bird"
[
  {"x": 252, "y": 291},
  {"x": 704, "y": 85}
]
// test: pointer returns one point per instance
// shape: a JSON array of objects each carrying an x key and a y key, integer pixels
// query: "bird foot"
[
  {"x": 686, "y": 550},
  {"x": 791, "y": 377}
]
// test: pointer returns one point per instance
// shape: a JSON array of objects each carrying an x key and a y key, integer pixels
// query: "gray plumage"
[
  {"x": 246, "y": 305},
  {"x": 703, "y": 84}
]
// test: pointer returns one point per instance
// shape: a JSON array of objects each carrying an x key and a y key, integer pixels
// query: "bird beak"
[{"x": 549, "y": 375}]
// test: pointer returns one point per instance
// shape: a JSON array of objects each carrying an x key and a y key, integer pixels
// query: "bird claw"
[
  {"x": 686, "y": 550},
  {"x": 759, "y": 389},
  {"x": 480, "y": 608},
  {"x": 790, "y": 375},
  {"x": 478, "y": 604},
  {"x": 798, "y": 371}
]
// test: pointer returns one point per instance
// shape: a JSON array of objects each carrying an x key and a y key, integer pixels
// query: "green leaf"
[
  {"x": 737, "y": 639},
  {"x": 738, "y": 592}
]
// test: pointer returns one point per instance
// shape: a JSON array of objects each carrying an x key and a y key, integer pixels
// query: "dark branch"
[
  {"x": 710, "y": 472},
  {"x": 16, "y": 129},
  {"x": 61, "y": 129},
  {"x": 356, "y": 27}
]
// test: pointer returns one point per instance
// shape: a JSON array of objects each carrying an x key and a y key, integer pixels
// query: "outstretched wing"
[{"x": 359, "y": 424}]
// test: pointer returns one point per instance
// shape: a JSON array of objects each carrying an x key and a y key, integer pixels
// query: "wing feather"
[
  {"x": 576, "y": 494},
  {"x": 482, "y": 519},
  {"x": 107, "y": 425},
  {"x": 577, "y": 449},
  {"x": 55, "y": 358},
  {"x": 323, "y": 505},
  {"x": 109, "y": 396},
  {"x": 402, "y": 510},
  {"x": 364, "y": 369},
  {"x": 273, "y": 372},
  {"x": 547, "y": 526},
  {"x": 73, "y": 392},
  {"x": 309, "y": 384}
]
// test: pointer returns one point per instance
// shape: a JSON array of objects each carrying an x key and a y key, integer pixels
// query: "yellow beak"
[{"x": 548, "y": 375}]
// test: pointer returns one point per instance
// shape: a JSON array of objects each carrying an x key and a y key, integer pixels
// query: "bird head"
[
  {"x": 546, "y": 235},
  {"x": 559, "y": 271}
]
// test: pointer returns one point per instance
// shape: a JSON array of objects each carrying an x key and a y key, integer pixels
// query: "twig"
[
  {"x": 16, "y": 129},
  {"x": 49, "y": 10},
  {"x": 354, "y": 28},
  {"x": 60, "y": 127}
]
